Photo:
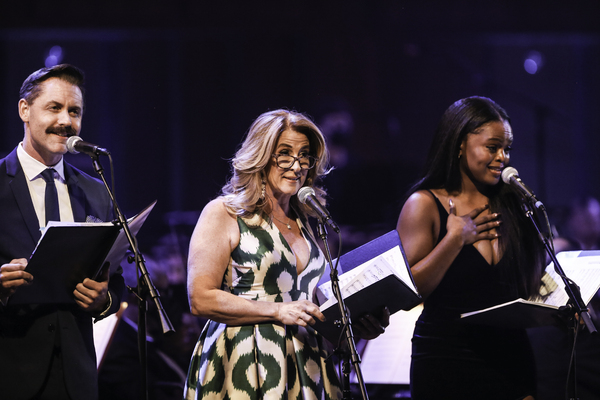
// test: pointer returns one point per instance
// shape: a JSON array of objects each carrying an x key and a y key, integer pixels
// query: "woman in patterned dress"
[{"x": 252, "y": 270}]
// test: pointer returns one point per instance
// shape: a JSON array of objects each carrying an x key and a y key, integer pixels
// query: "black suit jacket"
[{"x": 28, "y": 334}]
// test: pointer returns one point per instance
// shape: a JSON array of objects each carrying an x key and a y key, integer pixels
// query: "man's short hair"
[{"x": 31, "y": 88}]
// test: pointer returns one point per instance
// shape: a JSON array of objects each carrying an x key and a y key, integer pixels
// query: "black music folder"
[
  {"x": 69, "y": 252},
  {"x": 582, "y": 267},
  {"x": 377, "y": 275}
]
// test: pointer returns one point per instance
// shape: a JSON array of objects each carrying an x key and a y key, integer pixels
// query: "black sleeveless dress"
[{"x": 452, "y": 359}]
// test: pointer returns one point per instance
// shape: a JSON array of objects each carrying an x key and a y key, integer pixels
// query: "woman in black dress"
[{"x": 470, "y": 247}]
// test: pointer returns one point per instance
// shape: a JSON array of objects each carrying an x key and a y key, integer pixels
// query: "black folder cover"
[
  {"x": 390, "y": 291},
  {"x": 67, "y": 255}
]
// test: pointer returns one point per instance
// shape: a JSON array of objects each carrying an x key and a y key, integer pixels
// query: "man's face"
[{"x": 50, "y": 119}]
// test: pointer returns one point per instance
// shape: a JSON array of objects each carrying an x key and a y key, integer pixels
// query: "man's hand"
[
  {"x": 12, "y": 276},
  {"x": 91, "y": 295}
]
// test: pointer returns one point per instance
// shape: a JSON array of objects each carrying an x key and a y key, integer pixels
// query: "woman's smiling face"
[
  {"x": 282, "y": 183},
  {"x": 486, "y": 152}
]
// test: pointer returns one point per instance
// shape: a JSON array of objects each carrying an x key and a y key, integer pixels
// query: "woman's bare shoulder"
[
  {"x": 420, "y": 209},
  {"x": 216, "y": 227},
  {"x": 216, "y": 206},
  {"x": 421, "y": 200},
  {"x": 215, "y": 215}
]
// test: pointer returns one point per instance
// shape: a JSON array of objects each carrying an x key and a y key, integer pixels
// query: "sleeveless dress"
[
  {"x": 452, "y": 359},
  {"x": 266, "y": 360}
]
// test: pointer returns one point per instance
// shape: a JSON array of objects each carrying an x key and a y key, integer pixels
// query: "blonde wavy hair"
[{"x": 242, "y": 193}]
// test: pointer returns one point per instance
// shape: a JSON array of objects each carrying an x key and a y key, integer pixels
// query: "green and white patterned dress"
[{"x": 264, "y": 361}]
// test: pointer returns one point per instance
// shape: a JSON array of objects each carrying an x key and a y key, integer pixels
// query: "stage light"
[
  {"x": 55, "y": 56},
  {"x": 533, "y": 62}
]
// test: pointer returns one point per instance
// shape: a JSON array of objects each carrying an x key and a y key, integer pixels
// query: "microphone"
[
  {"x": 75, "y": 144},
  {"x": 510, "y": 176},
  {"x": 307, "y": 196}
]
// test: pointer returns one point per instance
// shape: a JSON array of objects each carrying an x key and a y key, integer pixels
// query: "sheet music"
[
  {"x": 396, "y": 261},
  {"x": 581, "y": 267},
  {"x": 372, "y": 271},
  {"x": 387, "y": 263},
  {"x": 119, "y": 249},
  {"x": 104, "y": 331}
]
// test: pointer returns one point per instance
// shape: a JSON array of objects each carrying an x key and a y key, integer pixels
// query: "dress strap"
[
  {"x": 443, "y": 216},
  {"x": 441, "y": 208}
]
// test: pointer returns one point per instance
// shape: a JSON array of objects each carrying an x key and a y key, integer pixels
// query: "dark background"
[{"x": 172, "y": 86}]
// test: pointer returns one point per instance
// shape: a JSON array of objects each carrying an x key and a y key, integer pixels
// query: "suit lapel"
[
  {"x": 18, "y": 185},
  {"x": 77, "y": 195}
]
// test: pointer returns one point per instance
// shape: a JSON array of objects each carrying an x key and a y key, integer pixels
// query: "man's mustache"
[{"x": 62, "y": 130}]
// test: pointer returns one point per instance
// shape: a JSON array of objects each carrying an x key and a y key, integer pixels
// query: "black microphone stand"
[
  {"x": 350, "y": 353},
  {"x": 575, "y": 305},
  {"x": 145, "y": 287}
]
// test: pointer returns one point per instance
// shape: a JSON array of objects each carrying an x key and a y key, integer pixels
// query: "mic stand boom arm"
[
  {"x": 346, "y": 323},
  {"x": 145, "y": 286}
]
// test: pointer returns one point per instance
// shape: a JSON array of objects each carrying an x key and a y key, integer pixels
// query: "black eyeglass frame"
[{"x": 312, "y": 161}]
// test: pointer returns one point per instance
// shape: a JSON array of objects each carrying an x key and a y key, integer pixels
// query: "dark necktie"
[{"x": 51, "y": 197}]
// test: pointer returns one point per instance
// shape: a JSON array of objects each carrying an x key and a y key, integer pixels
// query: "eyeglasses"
[{"x": 287, "y": 161}]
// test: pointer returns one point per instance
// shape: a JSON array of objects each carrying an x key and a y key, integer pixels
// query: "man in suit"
[{"x": 47, "y": 350}]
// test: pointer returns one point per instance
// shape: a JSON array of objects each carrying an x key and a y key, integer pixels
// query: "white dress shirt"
[{"x": 37, "y": 186}]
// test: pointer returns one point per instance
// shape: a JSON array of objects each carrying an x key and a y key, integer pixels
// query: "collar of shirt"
[
  {"x": 33, "y": 168},
  {"x": 37, "y": 186}
]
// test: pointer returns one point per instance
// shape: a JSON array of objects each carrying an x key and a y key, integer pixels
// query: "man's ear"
[{"x": 24, "y": 110}]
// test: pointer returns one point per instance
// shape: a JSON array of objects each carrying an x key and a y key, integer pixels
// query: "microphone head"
[
  {"x": 304, "y": 192},
  {"x": 508, "y": 173},
  {"x": 71, "y": 141}
]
